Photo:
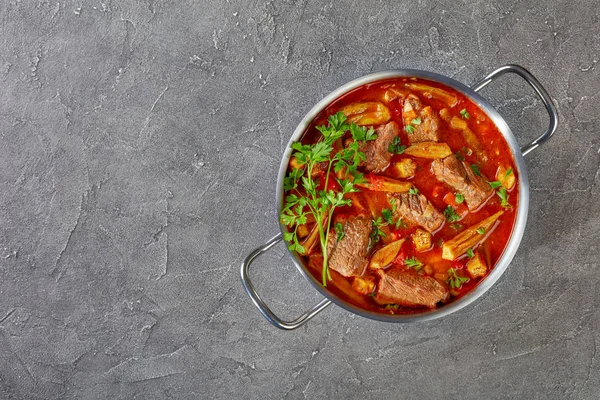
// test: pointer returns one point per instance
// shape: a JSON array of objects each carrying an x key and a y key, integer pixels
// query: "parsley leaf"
[
  {"x": 387, "y": 215},
  {"x": 451, "y": 215},
  {"x": 413, "y": 190},
  {"x": 290, "y": 182},
  {"x": 337, "y": 122},
  {"x": 377, "y": 233},
  {"x": 454, "y": 280},
  {"x": 320, "y": 204},
  {"x": 409, "y": 129},
  {"x": 395, "y": 147},
  {"x": 361, "y": 133},
  {"x": 456, "y": 226},
  {"x": 503, "y": 197},
  {"x": 413, "y": 263},
  {"x": 470, "y": 253},
  {"x": 481, "y": 230},
  {"x": 495, "y": 184},
  {"x": 459, "y": 198},
  {"x": 339, "y": 229},
  {"x": 475, "y": 169},
  {"x": 400, "y": 224},
  {"x": 465, "y": 113},
  {"x": 416, "y": 121}
]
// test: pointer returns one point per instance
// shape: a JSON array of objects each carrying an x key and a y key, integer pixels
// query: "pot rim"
[{"x": 522, "y": 207}]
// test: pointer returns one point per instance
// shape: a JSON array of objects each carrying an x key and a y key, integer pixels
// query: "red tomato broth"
[{"x": 493, "y": 144}]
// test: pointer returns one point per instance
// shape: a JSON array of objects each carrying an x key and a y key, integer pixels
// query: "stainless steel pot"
[{"x": 521, "y": 219}]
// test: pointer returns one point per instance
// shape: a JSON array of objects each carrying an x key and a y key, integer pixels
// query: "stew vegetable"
[{"x": 400, "y": 196}]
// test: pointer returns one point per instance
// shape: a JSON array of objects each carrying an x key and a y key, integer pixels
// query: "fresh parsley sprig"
[
  {"x": 413, "y": 263},
  {"x": 502, "y": 193},
  {"x": 388, "y": 216},
  {"x": 454, "y": 280},
  {"x": 321, "y": 203},
  {"x": 503, "y": 197},
  {"x": 376, "y": 232},
  {"x": 339, "y": 229},
  {"x": 396, "y": 147},
  {"x": 451, "y": 214}
]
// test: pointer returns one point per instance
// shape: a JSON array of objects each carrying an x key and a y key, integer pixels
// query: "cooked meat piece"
[
  {"x": 409, "y": 289},
  {"x": 377, "y": 155},
  {"x": 319, "y": 169},
  {"x": 461, "y": 177},
  {"x": 417, "y": 209},
  {"x": 427, "y": 130},
  {"x": 349, "y": 255}
]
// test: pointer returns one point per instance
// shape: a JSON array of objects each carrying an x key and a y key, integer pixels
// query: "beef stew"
[{"x": 400, "y": 196}]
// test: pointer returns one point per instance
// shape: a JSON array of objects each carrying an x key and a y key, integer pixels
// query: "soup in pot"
[{"x": 400, "y": 196}]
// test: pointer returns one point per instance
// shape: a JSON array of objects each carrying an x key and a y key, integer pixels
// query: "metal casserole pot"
[{"x": 518, "y": 229}]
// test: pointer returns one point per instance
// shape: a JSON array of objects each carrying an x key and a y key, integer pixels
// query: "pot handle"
[
  {"x": 260, "y": 304},
  {"x": 541, "y": 92}
]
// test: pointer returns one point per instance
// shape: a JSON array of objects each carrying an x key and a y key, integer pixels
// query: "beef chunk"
[
  {"x": 348, "y": 256},
  {"x": 417, "y": 209},
  {"x": 427, "y": 130},
  {"x": 461, "y": 177},
  {"x": 409, "y": 289},
  {"x": 377, "y": 155},
  {"x": 319, "y": 169}
]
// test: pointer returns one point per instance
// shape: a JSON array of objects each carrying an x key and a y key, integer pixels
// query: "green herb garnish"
[
  {"x": 465, "y": 113},
  {"x": 459, "y": 198},
  {"x": 409, "y": 129},
  {"x": 470, "y": 253},
  {"x": 290, "y": 182},
  {"x": 481, "y": 230},
  {"x": 498, "y": 183},
  {"x": 400, "y": 224},
  {"x": 396, "y": 147},
  {"x": 503, "y": 197},
  {"x": 377, "y": 233},
  {"x": 451, "y": 214},
  {"x": 475, "y": 169},
  {"x": 454, "y": 280},
  {"x": 387, "y": 215},
  {"x": 413, "y": 263},
  {"x": 321, "y": 203},
  {"x": 416, "y": 121},
  {"x": 413, "y": 190},
  {"x": 339, "y": 229}
]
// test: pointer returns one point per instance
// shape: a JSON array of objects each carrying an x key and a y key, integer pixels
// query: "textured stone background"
[{"x": 139, "y": 148}]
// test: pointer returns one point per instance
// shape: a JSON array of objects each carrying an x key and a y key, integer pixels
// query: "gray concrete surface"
[{"x": 139, "y": 148}]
